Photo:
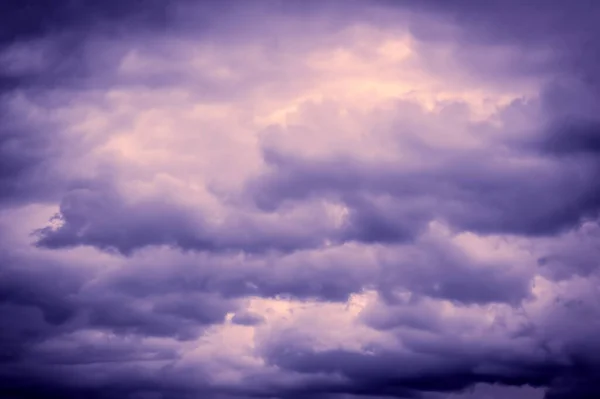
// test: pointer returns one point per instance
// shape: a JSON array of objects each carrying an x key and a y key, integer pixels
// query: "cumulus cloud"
[{"x": 299, "y": 199}]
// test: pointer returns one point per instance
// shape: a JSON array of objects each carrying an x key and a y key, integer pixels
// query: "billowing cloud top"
[{"x": 299, "y": 199}]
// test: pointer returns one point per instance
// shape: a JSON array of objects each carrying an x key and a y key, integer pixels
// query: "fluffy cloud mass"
[{"x": 299, "y": 199}]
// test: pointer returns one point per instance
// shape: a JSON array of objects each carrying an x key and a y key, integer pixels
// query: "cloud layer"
[{"x": 299, "y": 199}]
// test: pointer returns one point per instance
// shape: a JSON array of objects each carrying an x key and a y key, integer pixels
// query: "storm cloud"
[{"x": 299, "y": 199}]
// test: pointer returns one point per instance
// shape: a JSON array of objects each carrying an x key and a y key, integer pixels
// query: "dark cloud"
[
  {"x": 571, "y": 255},
  {"x": 577, "y": 138},
  {"x": 434, "y": 359},
  {"x": 247, "y": 319},
  {"x": 441, "y": 271},
  {"x": 388, "y": 374},
  {"x": 301, "y": 275},
  {"x": 34, "y": 18},
  {"x": 29, "y": 150},
  {"x": 49, "y": 40},
  {"x": 100, "y": 216},
  {"x": 476, "y": 191},
  {"x": 35, "y": 303},
  {"x": 181, "y": 318},
  {"x": 551, "y": 38},
  {"x": 44, "y": 303}
]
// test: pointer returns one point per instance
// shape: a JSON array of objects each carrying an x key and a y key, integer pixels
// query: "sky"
[{"x": 280, "y": 199}]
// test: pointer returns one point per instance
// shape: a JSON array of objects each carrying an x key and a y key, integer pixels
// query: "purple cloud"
[{"x": 299, "y": 199}]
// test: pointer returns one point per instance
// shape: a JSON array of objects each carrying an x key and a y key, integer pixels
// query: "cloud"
[
  {"x": 28, "y": 152},
  {"x": 101, "y": 217},
  {"x": 492, "y": 189},
  {"x": 299, "y": 199},
  {"x": 247, "y": 319}
]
